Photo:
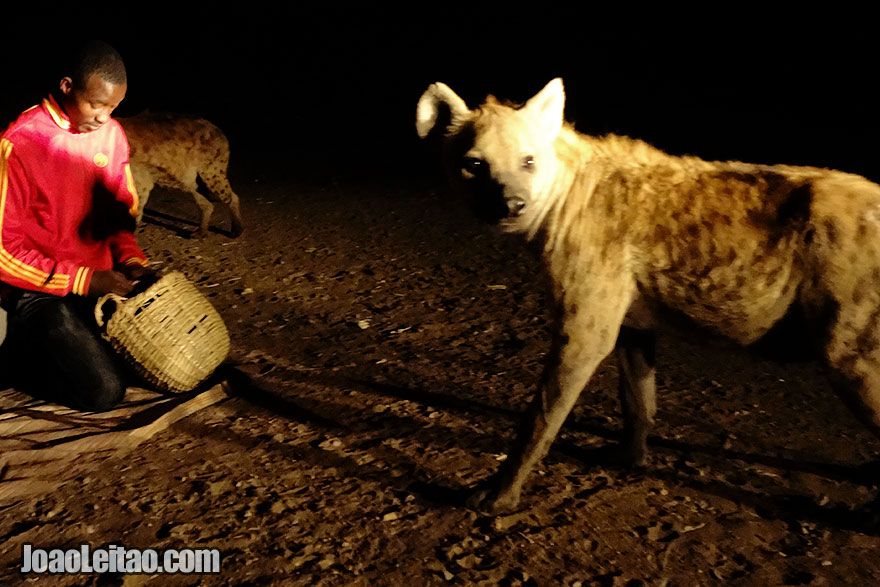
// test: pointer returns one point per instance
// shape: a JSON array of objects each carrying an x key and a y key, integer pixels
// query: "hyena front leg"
[
  {"x": 206, "y": 208},
  {"x": 143, "y": 182},
  {"x": 636, "y": 350},
  {"x": 588, "y": 335}
]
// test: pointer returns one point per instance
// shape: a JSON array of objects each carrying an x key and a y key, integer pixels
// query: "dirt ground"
[{"x": 383, "y": 345}]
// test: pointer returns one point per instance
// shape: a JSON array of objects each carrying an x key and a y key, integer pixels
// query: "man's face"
[{"x": 90, "y": 107}]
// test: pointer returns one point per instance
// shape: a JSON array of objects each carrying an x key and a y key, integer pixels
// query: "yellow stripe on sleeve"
[
  {"x": 8, "y": 263},
  {"x": 129, "y": 179},
  {"x": 79, "y": 281}
]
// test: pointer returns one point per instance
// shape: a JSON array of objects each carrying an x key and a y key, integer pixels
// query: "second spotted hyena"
[
  {"x": 635, "y": 239},
  {"x": 171, "y": 150}
]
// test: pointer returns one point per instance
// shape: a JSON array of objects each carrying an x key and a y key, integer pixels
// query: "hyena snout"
[
  {"x": 494, "y": 210},
  {"x": 515, "y": 207}
]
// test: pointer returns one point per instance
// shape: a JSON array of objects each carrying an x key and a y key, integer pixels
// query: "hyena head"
[{"x": 500, "y": 155}]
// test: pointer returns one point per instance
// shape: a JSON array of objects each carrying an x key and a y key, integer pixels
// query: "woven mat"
[{"x": 43, "y": 444}]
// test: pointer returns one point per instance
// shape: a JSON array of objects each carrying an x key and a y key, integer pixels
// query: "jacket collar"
[{"x": 56, "y": 112}]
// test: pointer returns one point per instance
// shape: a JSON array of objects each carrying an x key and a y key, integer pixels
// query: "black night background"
[{"x": 338, "y": 86}]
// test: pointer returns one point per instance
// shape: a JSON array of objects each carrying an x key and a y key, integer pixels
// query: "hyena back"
[
  {"x": 635, "y": 239},
  {"x": 172, "y": 151}
]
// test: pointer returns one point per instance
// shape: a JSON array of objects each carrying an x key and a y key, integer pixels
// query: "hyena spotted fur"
[
  {"x": 171, "y": 150},
  {"x": 636, "y": 239}
]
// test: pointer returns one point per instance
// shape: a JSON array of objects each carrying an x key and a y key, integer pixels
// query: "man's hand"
[
  {"x": 104, "y": 282},
  {"x": 136, "y": 272}
]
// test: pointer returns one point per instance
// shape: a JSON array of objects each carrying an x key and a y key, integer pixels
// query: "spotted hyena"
[
  {"x": 635, "y": 239},
  {"x": 171, "y": 151}
]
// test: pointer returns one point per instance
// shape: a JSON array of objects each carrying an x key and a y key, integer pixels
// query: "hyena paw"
[
  {"x": 492, "y": 502},
  {"x": 634, "y": 456},
  {"x": 635, "y": 459},
  {"x": 869, "y": 516},
  {"x": 236, "y": 229}
]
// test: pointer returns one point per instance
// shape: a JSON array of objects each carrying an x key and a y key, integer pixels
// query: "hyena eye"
[
  {"x": 528, "y": 163},
  {"x": 473, "y": 165}
]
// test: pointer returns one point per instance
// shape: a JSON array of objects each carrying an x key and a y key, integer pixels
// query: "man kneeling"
[{"x": 67, "y": 216}]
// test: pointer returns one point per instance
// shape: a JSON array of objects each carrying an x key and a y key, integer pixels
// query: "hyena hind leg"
[
  {"x": 636, "y": 352},
  {"x": 861, "y": 395},
  {"x": 222, "y": 190},
  {"x": 853, "y": 356},
  {"x": 851, "y": 348},
  {"x": 189, "y": 184}
]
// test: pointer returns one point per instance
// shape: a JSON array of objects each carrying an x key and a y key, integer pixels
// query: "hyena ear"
[
  {"x": 438, "y": 102},
  {"x": 547, "y": 109}
]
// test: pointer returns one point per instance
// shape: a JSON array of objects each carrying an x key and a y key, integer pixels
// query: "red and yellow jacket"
[{"x": 67, "y": 202}]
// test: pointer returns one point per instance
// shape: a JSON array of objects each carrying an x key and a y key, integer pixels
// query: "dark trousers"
[{"x": 54, "y": 351}]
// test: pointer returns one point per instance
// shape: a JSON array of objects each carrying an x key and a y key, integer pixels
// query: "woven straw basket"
[{"x": 170, "y": 333}]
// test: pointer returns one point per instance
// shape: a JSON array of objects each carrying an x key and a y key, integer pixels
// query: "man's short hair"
[{"x": 97, "y": 57}]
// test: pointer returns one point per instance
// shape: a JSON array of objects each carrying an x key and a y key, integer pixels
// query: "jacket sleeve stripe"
[
  {"x": 9, "y": 263},
  {"x": 17, "y": 269},
  {"x": 129, "y": 179},
  {"x": 79, "y": 281}
]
